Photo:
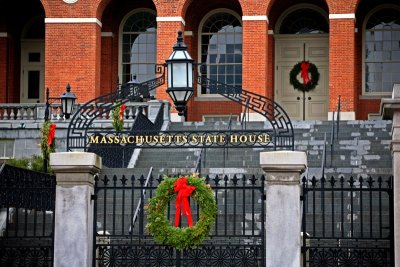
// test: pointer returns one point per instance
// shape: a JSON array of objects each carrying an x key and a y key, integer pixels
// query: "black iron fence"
[
  {"x": 348, "y": 222},
  {"x": 27, "y": 201},
  {"x": 237, "y": 238}
]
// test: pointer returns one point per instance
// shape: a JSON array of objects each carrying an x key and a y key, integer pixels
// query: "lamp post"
[
  {"x": 67, "y": 104},
  {"x": 180, "y": 75}
]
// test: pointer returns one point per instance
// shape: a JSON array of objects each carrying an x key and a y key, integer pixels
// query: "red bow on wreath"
[
  {"x": 121, "y": 111},
  {"x": 304, "y": 72},
  {"x": 52, "y": 131},
  {"x": 182, "y": 199}
]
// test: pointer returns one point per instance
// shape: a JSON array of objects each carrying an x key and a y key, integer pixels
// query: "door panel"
[
  {"x": 32, "y": 71},
  {"x": 290, "y": 51}
]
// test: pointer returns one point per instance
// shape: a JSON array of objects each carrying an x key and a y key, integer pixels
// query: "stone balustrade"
[{"x": 35, "y": 111}]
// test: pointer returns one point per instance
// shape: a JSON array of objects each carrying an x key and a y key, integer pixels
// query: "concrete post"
[
  {"x": 154, "y": 107},
  {"x": 73, "y": 234},
  {"x": 390, "y": 110},
  {"x": 283, "y": 218}
]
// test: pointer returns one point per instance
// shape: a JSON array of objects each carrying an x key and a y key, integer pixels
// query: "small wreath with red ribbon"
[
  {"x": 305, "y": 68},
  {"x": 181, "y": 188}
]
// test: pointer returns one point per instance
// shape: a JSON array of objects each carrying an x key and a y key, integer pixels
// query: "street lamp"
[
  {"x": 67, "y": 103},
  {"x": 180, "y": 75}
]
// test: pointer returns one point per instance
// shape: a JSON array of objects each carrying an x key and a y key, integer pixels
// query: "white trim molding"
[
  {"x": 107, "y": 34},
  {"x": 344, "y": 116},
  {"x": 262, "y": 18},
  {"x": 342, "y": 16},
  {"x": 171, "y": 19},
  {"x": 73, "y": 20},
  {"x": 3, "y": 34}
]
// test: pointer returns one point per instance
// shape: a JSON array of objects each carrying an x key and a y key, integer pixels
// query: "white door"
[
  {"x": 289, "y": 51},
  {"x": 32, "y": 72}
]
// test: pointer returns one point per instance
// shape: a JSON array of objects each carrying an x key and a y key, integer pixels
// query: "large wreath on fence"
[
  {"x": 181, "y": 188},
  {"x": 304, "y": 68}
]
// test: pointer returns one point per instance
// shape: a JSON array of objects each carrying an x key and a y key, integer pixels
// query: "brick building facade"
[{"x": 93, "y": 44}]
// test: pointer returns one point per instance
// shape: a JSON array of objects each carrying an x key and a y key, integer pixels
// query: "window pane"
[
  {"x": 304, "y": 21},
  {"x": 34, "y": 57},
  {"x": 382, "y": 51},
  {"x": 221, "y": 39},
  {"x": 33, "y": 84},
  {"x": 139, "y": 46}
]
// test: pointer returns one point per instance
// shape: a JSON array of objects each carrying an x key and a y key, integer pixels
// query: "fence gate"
[
  {"x": 27, "y": 201},
  {"x": 348, "y": 222},
  {"x": 120, "y": 238}
]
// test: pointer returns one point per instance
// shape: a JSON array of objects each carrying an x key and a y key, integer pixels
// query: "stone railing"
[
  {"x": 16, "y": 112},
  {"x": 35, "y": 112}
]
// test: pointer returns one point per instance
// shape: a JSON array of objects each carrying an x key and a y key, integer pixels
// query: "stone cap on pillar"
[
  {"x": 75, "y": 162},
  {"x": 283, "y": 161},
  {"x": 75, "y": 168},
  {"x": 389, "y": 105}
]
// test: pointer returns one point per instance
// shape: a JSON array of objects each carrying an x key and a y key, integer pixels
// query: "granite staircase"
[{"x": 360, "y": 147}]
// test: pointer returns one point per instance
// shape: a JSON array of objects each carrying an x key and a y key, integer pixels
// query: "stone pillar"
[
  {"x": 73, "y": 233},
  {"x": 283, "y": 217},
  {"x": 390, "y": 110}
]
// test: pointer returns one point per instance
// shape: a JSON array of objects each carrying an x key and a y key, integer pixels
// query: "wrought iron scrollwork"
[
  {"x": 283, "y": 135},
  {"x": 97, "y": 107},
  {"x": 272, "y": 111}
]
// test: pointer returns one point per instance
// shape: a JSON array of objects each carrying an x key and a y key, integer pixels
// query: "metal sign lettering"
[{"x": 183, "y": 139}]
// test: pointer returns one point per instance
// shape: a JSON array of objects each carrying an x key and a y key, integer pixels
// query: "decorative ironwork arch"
[
  {"x": 272, "y": 111},
  {"x": 282, "y": 128},
  {"x": 102, "y": 105}
]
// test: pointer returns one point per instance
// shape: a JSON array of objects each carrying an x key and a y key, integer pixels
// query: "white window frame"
[
  {"x": 372, "y": 95},
  {"x": 120, "y": 37},
  {"x": 213, "y": 97},
  {"x": 296, "y": 7}
]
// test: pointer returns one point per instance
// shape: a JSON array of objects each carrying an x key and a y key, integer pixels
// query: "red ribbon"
[
  {"x": 50, "y": 136},
  {"x": 304, "y": 72},
  {"x": 182, "y": 199},
  {"x": 121, "y": 111}
]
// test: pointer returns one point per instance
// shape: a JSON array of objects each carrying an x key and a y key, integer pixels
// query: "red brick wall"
[
  {"x": 107, "y": 81},
  {"x": 77, "y": 54},
  {"x": 73, "y": 59},
  {"x": 255, "y": 47},
  {"x": 341, "y": 64}
]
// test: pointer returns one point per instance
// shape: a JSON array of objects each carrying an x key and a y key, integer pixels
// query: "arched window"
[
  {"x": 304, "y": 21},
  {"x": 382, "y": 51},
  {"x": 139, "y": 46},
  {"x": 221, "y": 49}
]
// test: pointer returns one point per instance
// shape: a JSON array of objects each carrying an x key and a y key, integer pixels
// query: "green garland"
[
  {"x": 118, "y": 116},
  {"x": 181, "y": 238},
  {"x": 45, "y": 148},
  {"x": 313, "y": 70}
]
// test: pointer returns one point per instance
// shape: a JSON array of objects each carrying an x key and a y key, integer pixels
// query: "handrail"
[
  {"x": 138, "y": 207},
  {"x": 198, "y": 162},
  {"x": 243, "y": 120},
  {"x": 332, "y": 135},
  {"x": 229, "y": 128},
  {"x": 323, "y": 157},
  {"x": 338, "y": 119}
]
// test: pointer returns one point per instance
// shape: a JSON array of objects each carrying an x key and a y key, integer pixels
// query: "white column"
[
  {"x": 283, "y": 218},
  {"x": 390, "y": 110},
  {"x": 73, "y": 233}
]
